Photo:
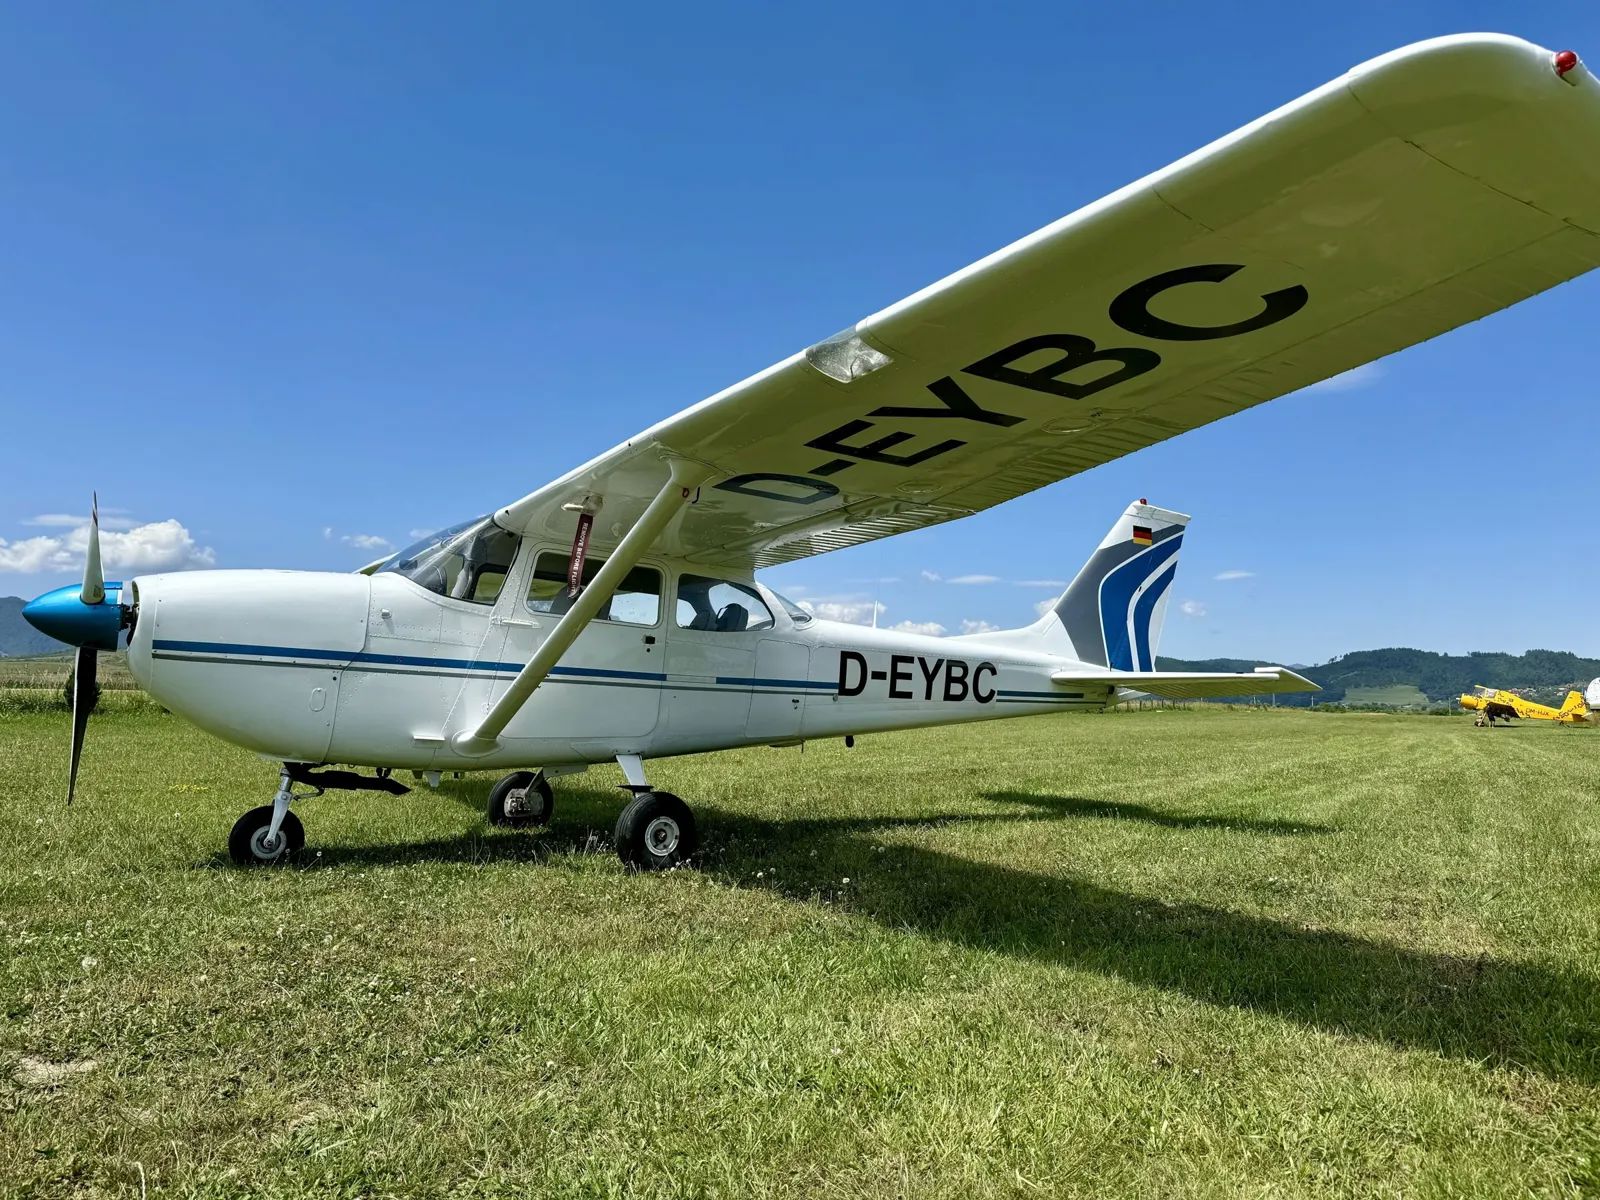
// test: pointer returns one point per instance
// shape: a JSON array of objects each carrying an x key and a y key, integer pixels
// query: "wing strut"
[{"x": 685, "y": 478}]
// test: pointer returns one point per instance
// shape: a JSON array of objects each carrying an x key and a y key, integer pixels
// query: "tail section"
[
  {"x": 1574, "y": 706},
  {"x": 1111, "y": 614},
  {"x": 1113, "y": 611}
]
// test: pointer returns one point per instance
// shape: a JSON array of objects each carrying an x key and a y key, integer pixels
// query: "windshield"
[
  {"x": 796, "y": 614},
  {"x": 468, "y": 561}
]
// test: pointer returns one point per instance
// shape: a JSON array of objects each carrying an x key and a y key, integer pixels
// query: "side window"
[
  {"x": 716, "y": 605},
  {"x": 637, "y": 601}
]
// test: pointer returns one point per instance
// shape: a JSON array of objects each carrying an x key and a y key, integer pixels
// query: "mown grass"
[
  {"x": 1177, "y": 953},
  {"x": 1397, "y": 694}
]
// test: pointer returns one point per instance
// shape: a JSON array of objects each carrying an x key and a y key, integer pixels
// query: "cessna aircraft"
[{"x": 614, "y": 613}]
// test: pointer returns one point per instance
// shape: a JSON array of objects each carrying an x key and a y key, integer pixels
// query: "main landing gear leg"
[{"x": 656, "y": 830}]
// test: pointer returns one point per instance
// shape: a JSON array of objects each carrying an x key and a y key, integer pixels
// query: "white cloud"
[
  {"x": 157, "y": 546},
  {"x": 931, "y": 628},
  {"x": 975, "y": 579},
  {"x": 327, "y": 532},
  {"x": 1357, "y": 377},
  {"x": 1045, "y": 605},
  {"x": 367, "y": 541},
  {"x": 930, "y": 576},
  {"x": 1225, "y": 576},
  {"x": 970, "y": 626},
  {"x": 416, "y": 535},
  {"x": 33, "y": 554},
  {"x": 1192, "y": 608},
  {"x": 1058, "y": 584},
  {"x": 108, "y": 520}
]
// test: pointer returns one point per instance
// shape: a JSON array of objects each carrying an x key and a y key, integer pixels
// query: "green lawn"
[
  {"x": 1162, "y": 954},
  {"x": 1397, "y": 694}
]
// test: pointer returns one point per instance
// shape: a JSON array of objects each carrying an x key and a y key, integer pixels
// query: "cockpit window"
[
  {"x": 720, "y": 606},
  {"x": 465, "y": 562},
  {"x": 796, "y": 614}
]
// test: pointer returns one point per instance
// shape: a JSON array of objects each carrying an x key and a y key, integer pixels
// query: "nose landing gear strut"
[{"x": 271, "y": 835}]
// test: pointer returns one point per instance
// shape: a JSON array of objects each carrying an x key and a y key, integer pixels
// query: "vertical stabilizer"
[{"x": 1112, "y": 611}]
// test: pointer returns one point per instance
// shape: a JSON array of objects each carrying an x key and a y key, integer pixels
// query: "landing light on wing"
[{"x": 845, "y": 357}]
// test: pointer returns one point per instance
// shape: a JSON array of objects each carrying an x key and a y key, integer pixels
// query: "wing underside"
[{"x": 1422, "y": 190}]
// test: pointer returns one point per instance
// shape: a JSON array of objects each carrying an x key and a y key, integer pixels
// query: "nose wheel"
[
  {"x": 252, "y": 842},
  {"x": 656, "y": 831},
  {"x": 521, "y": 799}
]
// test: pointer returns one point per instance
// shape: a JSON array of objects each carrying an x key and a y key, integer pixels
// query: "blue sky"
[{"x": 283, "y": 277}]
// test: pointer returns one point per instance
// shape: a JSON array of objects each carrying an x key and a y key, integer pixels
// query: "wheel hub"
[
  {"x": 516, "y": 802},
  {"x": 264, "y": 847},
  {"x": 661, "y": 836}
]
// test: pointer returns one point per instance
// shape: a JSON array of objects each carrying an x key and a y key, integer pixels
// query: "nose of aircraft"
[{"x": 64, "y": 615}]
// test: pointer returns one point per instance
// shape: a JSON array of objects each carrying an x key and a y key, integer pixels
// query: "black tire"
[
  {"x": 245, "y": 841},
  {"x": 521, "y": 799},
  {"x": 655, "y": 832}
]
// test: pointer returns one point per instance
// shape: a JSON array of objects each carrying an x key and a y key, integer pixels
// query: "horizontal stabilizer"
[{"x": 1193, "y": 685}]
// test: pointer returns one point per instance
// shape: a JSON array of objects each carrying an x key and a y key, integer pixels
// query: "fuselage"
[{"x": 381, "y": 670}]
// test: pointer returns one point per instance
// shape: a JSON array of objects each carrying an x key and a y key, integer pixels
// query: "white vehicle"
[{"x": 614, "y": 613}]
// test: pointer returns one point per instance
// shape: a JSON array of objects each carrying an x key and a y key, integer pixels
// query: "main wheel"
[
  {"x": 656, "y": 831},
  {"x": 248, "y": 845},
  {"x": 521, "y": 798}
]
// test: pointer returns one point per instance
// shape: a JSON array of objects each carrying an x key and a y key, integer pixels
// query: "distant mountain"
[
  {"x": 1542, "y": 674},
  {"x": 17, "y": 637}
]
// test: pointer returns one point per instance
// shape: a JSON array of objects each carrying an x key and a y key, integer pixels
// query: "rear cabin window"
[
  {"x": 637, "y": 600},
  {"x": 720, "y": 606}
]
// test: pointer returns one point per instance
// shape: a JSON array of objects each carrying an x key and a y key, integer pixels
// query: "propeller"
[
  {"x": 90, "y": 616},
  {"x": 94, "y": 580},
  {"x": 85, "y": 670},
  {"x": 86, "y": 662}
]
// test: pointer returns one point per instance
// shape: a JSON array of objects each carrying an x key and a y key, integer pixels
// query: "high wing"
[
  {"x": 1193, "y": 685},
  {"x": 1420, "y": 191}
]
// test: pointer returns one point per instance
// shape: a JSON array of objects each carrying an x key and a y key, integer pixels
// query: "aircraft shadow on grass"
[{"x": 1474, "y": 1008}]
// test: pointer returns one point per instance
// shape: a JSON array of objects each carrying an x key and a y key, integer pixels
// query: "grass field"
[
  {"x": 1398, "y": 695},
  {"x": 1160, "y": 954}
]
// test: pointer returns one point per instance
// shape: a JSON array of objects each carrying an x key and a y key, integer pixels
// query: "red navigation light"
[
  {"x": 1142, "y": 500},
  {"x": 1565, "y": 61}
]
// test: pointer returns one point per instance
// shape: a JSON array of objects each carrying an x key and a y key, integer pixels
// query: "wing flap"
[{"x": 1192, "y": 685}]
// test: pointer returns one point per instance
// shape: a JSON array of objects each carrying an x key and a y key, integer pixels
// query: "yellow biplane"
[{"x": 1494, "y": 705}]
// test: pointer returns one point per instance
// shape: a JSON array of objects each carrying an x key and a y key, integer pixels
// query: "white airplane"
[{"x": 614, "y": 613}]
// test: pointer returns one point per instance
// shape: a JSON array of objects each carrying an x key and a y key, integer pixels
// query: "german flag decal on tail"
[{"x": 1143, "y": 535}]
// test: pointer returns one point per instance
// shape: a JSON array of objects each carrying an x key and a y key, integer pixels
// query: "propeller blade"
[
  {"x": 84, "y": 669},
  {"x": 94, "y": 580}
]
